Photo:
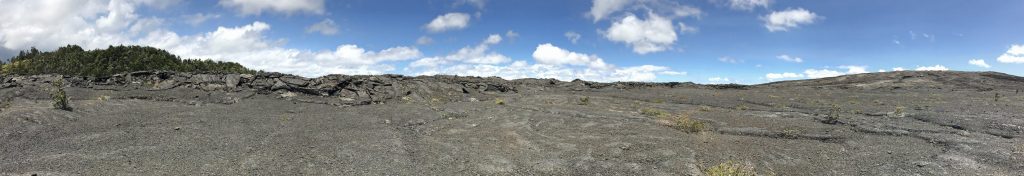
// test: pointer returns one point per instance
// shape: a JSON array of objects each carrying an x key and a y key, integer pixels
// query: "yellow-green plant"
[
  {"x": 60, "y": 98},
  {"x": 653, "y": 112},
  {"x": 729, "y": 168},
  {"x": 684, "y": 123},
  {"x": 499, "y": 101}
]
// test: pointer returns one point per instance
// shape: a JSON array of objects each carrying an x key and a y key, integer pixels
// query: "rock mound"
[{"x": 951, "y": 80}]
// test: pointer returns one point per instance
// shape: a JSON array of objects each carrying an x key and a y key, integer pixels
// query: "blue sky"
[{"x": 705, "y": 41}]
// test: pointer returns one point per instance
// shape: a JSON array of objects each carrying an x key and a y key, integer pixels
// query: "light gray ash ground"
[{"x": 163, "y": 123}]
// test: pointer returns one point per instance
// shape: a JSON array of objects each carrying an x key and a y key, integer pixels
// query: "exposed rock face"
[{"x": 343, "y": 89}]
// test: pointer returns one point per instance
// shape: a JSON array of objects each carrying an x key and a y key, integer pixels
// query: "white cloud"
[
  {"x": 449, "y": 21},
  {"x": 979, "y": 63},
  {"x": 511, "y": 35},
  {"x": 474, "y": 55},
  {"x": 573, "y": 36},
  {"x": 553, "y": 55},
  {"x": 932, "y": 68},
  {"x": 248, "y": 46},
  {"x": 730, "y": 60},
  {"x": 788, "y": 19},
  {"x": 1014, "y": 55},
  {"x": 552, "y": 62},
  {"x": 786, "y": 75},
  {"x": 854, "y": 69},
  {"x": 898, "y": 69},
  {"x": 645, "y": 36},
  {"x": 90, "y": 24},
  {"x": 325, "y": 27},
  {"x": 788, "y": 58},
  {"x": 747, "y": 4},
  {"x": 813, "y": 73},
  {"x": 603, "y": 8},
  {"x": 684, "y": 29},
  {"x": 424, "y": 40},
  {"x": 256, "y": 7},
  {"x": 199, "y": 18},
  {"x": 717, "y": 80},
  {"x": 475, "y": 3}
]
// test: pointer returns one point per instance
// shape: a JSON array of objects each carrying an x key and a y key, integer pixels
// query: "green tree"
[{"x": 73, "y": 60}]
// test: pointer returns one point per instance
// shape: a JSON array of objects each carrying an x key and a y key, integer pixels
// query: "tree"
[{"x": 73, "y": 60}]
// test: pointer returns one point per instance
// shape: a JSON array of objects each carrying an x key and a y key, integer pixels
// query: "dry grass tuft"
[{"x": 729, "y": 168}]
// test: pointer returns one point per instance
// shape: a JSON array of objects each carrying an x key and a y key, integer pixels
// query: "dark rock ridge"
[{"x": 337, "y": 89}]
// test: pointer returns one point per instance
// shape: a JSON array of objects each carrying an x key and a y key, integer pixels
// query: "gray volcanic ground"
[{"x": 165, "y": 123}]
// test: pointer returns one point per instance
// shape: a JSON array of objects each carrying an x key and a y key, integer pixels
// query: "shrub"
[
  {"x": 684, "y": 123},
  {"x": 833, "y": 115},
  {"x": 899, "y": 112},
  {"x": 705, "y": 108},
  {"x": 584, "y": 101},
  {"x": 60, "y": 98},
  {"x": 729, "y": 168},
  {"x": 499, "y": 101},
  {"x": 653, "y": 112}
]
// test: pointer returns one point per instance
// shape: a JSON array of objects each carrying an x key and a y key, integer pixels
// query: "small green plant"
[
  {"x": 791, "y": 133},
  {"x": 705, "y": 108},
  {"x": 684, "y": 123},
  {"x": 653, "y": 112},
  {"x": 584, "y": 101},
  {"x": 658, "y": 101},
  {"x": 499, "y": 101},
  {"x": 833, "y": 114},
  {"x": 60, "y": 98},
  {"x": 900, "y": 111},
  {"x": 742, "y": 107},
  {"x": 729, "y": 168}
]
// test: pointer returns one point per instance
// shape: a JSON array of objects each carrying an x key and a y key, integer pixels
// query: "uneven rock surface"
[{"x": 167, "y": 123}]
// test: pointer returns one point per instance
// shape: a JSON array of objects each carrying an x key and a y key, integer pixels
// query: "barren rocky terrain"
[{"x": 168, "y": 123}]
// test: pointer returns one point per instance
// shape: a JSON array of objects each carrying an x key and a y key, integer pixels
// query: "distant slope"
[
  {"x": 912, "y": 80},
  {"x": 73, "y": 60}
]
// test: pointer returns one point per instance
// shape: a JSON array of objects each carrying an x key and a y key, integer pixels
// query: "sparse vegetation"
[
  {"x": 729, "y": 168},
  {"x": 499, "y": 101},
  {"x": 791, "y": 133},
  {"x": 900, "y": 111},
  {"x": 60, "y": 98},
  {"x": 651, "y": 112},
  {"x": 833, "y": 114},
  {"x": 705, "y": 108},
  {"x": 684, "y": 123},
  {"x": 584, "y": 101},
  {"x": 73, "y": 60}
]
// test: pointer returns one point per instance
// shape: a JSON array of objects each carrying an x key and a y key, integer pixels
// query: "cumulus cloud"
[
  {"x": 553, "y": 55},
  {"x": 898, "y": 69},
  {"x": 248, "y": 46},
  {"x": 788, "y": 58},
  {"x": 746, "y": 4},
  {"x": 719, "y": 80},
  {"x": 603, "y": 8},
  {"x": 649, "y": 35},
  {"x": 822, "y": 73},
  {"x": 325, "y": 27},
  {"x": 789, "y": 19},
  {"x": 91, "y": 24},
  {"x": 511, "y": 35},
  {"x": 932, "y": 68},
  {"x": 473, "y": 55},
  {"x": 199, "y": 18},
  {"x": 979, "y": 62},
  {"x": 256, "y": 7},
  {"x": 573, "y": 36},
  {"x": 854, "y": 69},
  {"x": 449, "y": 21},
  {"x": 786, "y": 75},
  {"x": 552, "y": 62},
  {"x": 1014, "y": 55}
]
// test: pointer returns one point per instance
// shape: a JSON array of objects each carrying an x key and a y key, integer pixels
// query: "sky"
[{"x": 703, "y": 41}]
